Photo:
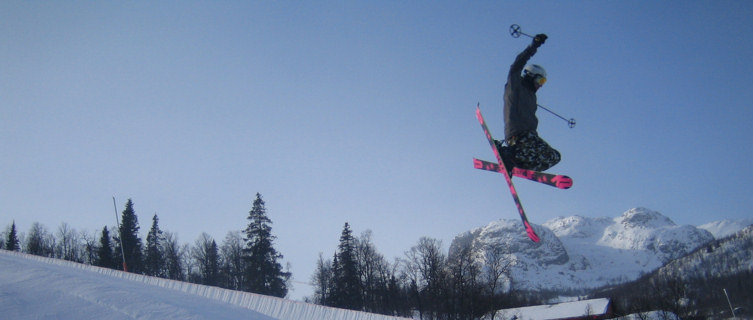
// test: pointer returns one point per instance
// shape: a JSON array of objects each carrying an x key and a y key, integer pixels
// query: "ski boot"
[{"x": 508, "y": 156}]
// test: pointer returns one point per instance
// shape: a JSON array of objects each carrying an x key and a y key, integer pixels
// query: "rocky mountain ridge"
[{"x": 580, "y": 252}]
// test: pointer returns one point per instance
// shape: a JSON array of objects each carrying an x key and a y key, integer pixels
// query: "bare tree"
[
  {"x": 207, "y": 260},
  {"x": 187, "y": 261},
  {"x": 40, "y": 242},
  {"x": 496, "y": 267},
  {"x": 89, "y": 243},
  {"x": 425, "y": 267},
  {"x": 174, "y": 257},
  {"x": 374, "y": 274},
  {"x": 233, "y": 264},
  {"x": 68, "y": 245},
  {"x": 464, "y": 285},
  {"x": 323, "y": 280}
]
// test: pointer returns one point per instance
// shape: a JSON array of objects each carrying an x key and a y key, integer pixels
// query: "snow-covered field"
[{"x": 34, "y": 287}]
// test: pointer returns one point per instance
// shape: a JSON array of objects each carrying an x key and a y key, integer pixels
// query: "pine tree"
[
  {"x": 154, "y": 259},
  {"x": 215, "y": 276},
  {"x": 105, "y": 256},
  {"x": 263, "y": 272},
  {"x": 335, "y": 297},
  {"x": 347, "y": 286},
  {"x": 12, "y": 243},
  {"x": 132, "y": 245}
]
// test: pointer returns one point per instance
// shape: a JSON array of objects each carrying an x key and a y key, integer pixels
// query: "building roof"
[{"x": 567, "y": 310}]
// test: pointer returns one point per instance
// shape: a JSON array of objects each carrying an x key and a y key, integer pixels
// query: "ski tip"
[
  {"x": 531, "y": 233},
  {"x": 563, "y": 182}
]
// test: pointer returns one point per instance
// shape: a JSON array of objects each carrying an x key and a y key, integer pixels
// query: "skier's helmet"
[{"x": 536, "y": 72}]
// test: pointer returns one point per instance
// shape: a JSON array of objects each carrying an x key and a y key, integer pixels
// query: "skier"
[{"x": 525, "y": 149}]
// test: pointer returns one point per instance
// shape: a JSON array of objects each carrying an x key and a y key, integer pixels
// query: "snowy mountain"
[
  {"x": 726, "y": 256},
  {"x": 723, "y": 228},
  {"x": 579, "y": 252},
  {"x": 707, "y": 283}
]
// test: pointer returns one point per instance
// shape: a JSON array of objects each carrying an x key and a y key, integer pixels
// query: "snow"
[
  {"x": 657, "y": 315},
  {"x": 723, "y": 228},
  {"x": 581, "y": 252},
  {"x": 33, "y": 287},
  {"x": 557, "y": 311},
  {"x": 576, "y": 309}
]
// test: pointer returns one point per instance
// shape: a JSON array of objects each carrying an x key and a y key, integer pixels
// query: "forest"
[{"x": 246, "y": 260}]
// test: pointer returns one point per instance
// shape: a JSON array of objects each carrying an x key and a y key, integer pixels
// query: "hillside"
[
  {"x": 723, "y": 228},
  {"x": 698, "y": 284},
  {"x": 723, "y": 257}
]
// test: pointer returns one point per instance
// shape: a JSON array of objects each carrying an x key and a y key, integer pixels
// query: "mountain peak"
[
  {"x": 643, "y": 218},
  {"x": 507, "y": 234},
  {"x": 644, "y": 229}
]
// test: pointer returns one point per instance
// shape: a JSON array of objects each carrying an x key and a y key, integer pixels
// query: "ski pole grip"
[{"x": 515, "y": 31}]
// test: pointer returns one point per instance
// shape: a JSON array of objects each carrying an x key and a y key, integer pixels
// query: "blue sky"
[{"x": 364, "y": 112}]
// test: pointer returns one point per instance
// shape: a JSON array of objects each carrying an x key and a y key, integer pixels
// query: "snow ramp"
[{"x": 33, "y": 287}]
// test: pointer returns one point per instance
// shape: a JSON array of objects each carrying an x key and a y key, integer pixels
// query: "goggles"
[{"x": 539, "y": 79}]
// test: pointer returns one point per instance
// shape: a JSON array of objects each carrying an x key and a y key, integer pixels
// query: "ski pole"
[
  {"x": 570, "y": 122},
  {"x": 730, "y": 303},
  {"x": 515, "y": 32}
]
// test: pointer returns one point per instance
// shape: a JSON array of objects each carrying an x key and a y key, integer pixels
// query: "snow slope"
[
  {"x": 33, "y": 287},
  {"x": 723, "y": 228},
  {"x": 727, "y": 256}
]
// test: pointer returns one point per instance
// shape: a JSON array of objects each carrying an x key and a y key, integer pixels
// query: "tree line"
[
  {"x": 246, "y": 260},
  {"x": 466, "y": 283},
  {"x": 426, "y": 282}
]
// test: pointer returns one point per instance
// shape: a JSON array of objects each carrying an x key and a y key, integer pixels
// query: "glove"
[{"x": 539, "y": 39}]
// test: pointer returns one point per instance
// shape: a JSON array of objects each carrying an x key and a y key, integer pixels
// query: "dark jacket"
[{"x": 520, "y": 98}]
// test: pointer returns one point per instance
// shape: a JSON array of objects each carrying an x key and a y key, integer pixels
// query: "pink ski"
[
  {"x": 554, "y": 180},
  {"x": 531, "y": 233}
]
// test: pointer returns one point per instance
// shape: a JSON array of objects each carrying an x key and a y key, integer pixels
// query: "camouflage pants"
[{"x": 532, "y": 152}]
